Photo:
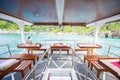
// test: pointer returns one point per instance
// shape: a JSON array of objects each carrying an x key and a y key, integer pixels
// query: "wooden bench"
[
  {"x": 80, "y": 49},
  {"x": 84, "y": 49},
  {"x": 60, "y": 47},
  {"x": 23, "y": 66},
  {"x": 40, "y": 49},
  {"x": 33, "y": 57},
  {"x": 59, "y": 50},
  {"x": 98, "y": 68},
  {"x": 90, "y": 58},
  {"x": 8, "y": 70}
]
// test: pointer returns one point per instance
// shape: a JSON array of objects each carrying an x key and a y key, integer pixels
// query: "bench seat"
[
  {"x": 23, "y": 66},
  {"x": 98, "y": 68},
  {"x": 59, "y": 50}
]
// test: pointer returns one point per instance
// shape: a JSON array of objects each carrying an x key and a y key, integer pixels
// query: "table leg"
[
  {"x": 88, "y": 51},
  {"x": 28, "y": 50},
  {"x": 60, "y": 52},
  {"x": 92, "y": 51}
]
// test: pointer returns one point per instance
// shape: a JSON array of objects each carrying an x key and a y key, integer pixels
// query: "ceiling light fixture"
[{"x": 37, "y": 13}]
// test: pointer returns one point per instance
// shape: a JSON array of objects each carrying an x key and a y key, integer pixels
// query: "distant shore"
[
  {"x": 110, "y": 34},
  {"x": 59, "y": 33}
]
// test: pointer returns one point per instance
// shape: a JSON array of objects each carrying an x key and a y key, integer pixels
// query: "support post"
[
  {"x": 97, "y": 25},
  {"x": 21, "y": 27}
]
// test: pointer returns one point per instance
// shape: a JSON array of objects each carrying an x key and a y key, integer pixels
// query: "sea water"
[{"x": 15, "y": 39}]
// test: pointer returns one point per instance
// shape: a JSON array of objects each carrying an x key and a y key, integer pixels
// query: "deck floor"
[{"x": 59, "y": 61}]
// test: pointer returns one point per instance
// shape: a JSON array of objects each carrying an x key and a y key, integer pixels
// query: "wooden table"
[
  {"x": 115, "y": 70},
  {"x": 60, "y": 47},
  {"x": 91, "y": 58},
  {"x": 29, "y": 46},
  {"x": 33, "y": 57},
  {"x": 8, "y": 70},
  {"x": 90, "y": 47}
]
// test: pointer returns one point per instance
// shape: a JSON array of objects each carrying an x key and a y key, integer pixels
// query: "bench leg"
[
  {"x": 67, "y": 51},
  {"x": 84, "y": 59},
  {"x": 104, "y": 77},
  {"x": 30, "y": 67},
  {"x": 51, "y": 52},
  {"x": 91, "y": 67},
  {"x": 23, "y": 74},
  {"x": 98, "y": 75},
  {"x": 89, "y": 64}
]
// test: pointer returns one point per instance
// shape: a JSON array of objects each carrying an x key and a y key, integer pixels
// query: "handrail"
[
  {"x": 4, "y": 53},
  {"x": 108, "y": 51},
  {"x": 113, "y": 53},
  {"x": 39, "y": 61},
  {"x": 91, "y": 73},
  {"x": 48, "y": 62},
  {"x": 7, "y": 44},
  {"x": 73, "y": 44},
  {"x": 8, "y": 48}
]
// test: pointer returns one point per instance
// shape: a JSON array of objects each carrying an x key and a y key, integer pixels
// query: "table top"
[
  {"x": 108, "y": 64},
  {"x": 28, "y": 46},
  {"x": 88, "y": 45},
  {"x": 33, "y": 57},
  {"x": 25, "y": 56},
  {"x": 60, "y": 46},
  {"x": 96, "y": 57}
]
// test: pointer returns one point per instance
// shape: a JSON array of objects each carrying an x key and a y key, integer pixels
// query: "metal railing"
[
  {"x": 34, "y": 68},
  {"x": 7, "y": 48},
  {"x": 49, "y": 59},
  {"x": 110, "y": 50},
  {"x": 85, "y": 66},
  {"x": 107, "y": 49}
]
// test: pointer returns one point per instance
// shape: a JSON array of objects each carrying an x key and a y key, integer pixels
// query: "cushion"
[{"x": 7, "y": 63}]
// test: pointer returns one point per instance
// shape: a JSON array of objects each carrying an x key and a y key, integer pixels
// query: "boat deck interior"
[{"x": 60, "y": 65}]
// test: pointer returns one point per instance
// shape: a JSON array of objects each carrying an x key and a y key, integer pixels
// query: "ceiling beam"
[
  {"x": 13, "y": 19},
  {"x": 46, "y": 23},
  {"x": 106, "y": 20},
  {"x": 60, "y": 9},
  {"x": 73, "y": 24},
  {"x": 64, "y": 23}
]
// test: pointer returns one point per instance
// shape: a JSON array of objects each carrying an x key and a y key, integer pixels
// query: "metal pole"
[
  {"x": 97, "y": 25},
  {"x": 22, "y": 31},
  {"x": 86, "y": 74},
  {"x": 34, "y": 74},
  {"x": 9, "y": 49},
  {"x": 109, "y": 50},
  {"x": 72, "y": 60}
]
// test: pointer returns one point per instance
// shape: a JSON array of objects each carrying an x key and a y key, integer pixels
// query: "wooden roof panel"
[{"x": 75, "y": 11}]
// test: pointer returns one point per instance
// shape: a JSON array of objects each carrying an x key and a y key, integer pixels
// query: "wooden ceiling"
[{"x": 76, "y": 12}]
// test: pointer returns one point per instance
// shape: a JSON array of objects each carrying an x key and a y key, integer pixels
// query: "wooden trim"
[
  {"x": 103, "y": 18},
  {"x": 64, "y": 23},
  {"x": 46, "y": 23},
  {"x": 14, "y": 16}
]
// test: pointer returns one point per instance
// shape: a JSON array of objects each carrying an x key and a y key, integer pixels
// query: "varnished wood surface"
[
  {"x": 28, "y": 46},
  {"x": 87, "y": 45},
  {"x": 3, "y": 73},
  {"x": 110, "y": 67},
  {"x": 33, "y": 57}
]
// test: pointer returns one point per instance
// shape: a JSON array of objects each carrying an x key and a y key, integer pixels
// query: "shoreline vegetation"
[{"x": 108, "y": 30}]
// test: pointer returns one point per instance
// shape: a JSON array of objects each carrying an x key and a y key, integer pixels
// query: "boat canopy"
[{"x": 60, "y": 12}]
